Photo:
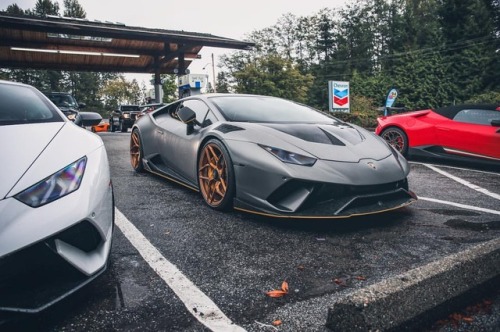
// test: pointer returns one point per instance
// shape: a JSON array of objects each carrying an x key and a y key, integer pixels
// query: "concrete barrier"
[{"x": 397, "y": 303}]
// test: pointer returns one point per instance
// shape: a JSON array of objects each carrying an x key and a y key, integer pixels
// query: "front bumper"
[
  {"x": 36, "y": 277},
  {"x": 328, "y": 189},
  {"x": 302, "y": 199}
]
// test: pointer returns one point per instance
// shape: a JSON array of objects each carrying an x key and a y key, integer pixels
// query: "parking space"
[{"x": 234, "y": 258}]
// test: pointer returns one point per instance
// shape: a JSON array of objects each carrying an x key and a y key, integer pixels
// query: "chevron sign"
[{"x": 339, "y": 96}]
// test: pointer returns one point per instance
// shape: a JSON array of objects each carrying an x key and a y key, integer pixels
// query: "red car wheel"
[{"x": 397, "y": 138}]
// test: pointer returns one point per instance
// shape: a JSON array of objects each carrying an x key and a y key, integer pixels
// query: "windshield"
[
  {"x": 22, "y": 105},
  {"x": 268, "y": 109},
  {"x": 130, "y": 108},
  {"x": 63, "y": 100}
]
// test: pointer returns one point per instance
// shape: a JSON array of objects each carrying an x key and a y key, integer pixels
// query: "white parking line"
[
  {"x": 463, "y": 206},
  {"x": 464, "y": 182},
  {"x": 454, "y": 167},
  {"x": 197, "y": 303}
]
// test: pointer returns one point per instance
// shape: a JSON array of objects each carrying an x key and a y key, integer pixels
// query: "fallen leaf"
[
  {"x": 300, "y": 267},
  {"x": 279, "y": 292},
  {"x": 277, "y": 322},
  {"x": 361, "y": 278},
  {"x": 468, "y": 319},
  {"x": 340, "y": 282},
  {"x": 276, "y": 293}
]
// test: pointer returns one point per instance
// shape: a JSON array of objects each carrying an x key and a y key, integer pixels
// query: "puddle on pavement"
[{"x": 473, "y": 226}]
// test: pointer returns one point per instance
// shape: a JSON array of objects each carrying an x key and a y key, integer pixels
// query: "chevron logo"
[
  {"x": 340, "y": 101},
  {"x": 340, "y": 93}
]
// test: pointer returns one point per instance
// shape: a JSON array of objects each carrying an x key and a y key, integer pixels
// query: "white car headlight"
[
  {"x": 289, "y": 157},
  {"x": 58, "y": 185}
]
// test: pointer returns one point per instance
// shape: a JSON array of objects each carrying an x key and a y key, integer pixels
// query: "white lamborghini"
[{"x": 56, "y": 201}]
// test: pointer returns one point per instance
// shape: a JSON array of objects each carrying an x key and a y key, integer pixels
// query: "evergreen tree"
[
  {"x": 73, "y": 9},
  {"x": 46, "y": 7},
  {"x": 471, "y": 45}
]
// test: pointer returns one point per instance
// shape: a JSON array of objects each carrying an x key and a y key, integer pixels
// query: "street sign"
[{"x": 338, "y": 94}]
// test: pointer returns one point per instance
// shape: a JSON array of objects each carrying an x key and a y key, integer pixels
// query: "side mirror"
[
  {"x": 89, "y": 119},
  {"x": 495, "y": 123},
  {"x": 187, "y": 115},
  {"x": 81, "y": 105}
]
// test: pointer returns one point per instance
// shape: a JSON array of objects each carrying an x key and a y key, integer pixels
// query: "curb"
[{"x": 394, "y": 303}]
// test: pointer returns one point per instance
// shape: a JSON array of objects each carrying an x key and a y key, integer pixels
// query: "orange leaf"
[
  {"x": 361, "y": 278},
  {"x": 284, "y": 286},
  {"x": 277, "y": 322},
  {"x": 468, "y": 319},
  {"x": 276, "y": 293}
]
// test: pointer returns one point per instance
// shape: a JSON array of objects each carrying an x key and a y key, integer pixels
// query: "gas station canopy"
[{"x": 71, "y": 44}]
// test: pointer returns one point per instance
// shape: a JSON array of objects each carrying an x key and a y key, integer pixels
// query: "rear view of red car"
[{"x": 465, "y": 132}]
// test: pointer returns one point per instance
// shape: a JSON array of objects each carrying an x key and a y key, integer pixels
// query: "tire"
[
  {"x": 136, "y": 153},
  {"x": 216, "y": 176},
  {"x": 92, "y": 129},
  {"x": 397, "y": 138}
]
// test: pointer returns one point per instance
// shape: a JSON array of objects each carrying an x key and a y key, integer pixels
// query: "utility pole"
[{"x": 213, "y": 72}]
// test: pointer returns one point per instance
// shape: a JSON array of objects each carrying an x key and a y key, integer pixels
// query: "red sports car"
[{"x": 467, "y": 132}]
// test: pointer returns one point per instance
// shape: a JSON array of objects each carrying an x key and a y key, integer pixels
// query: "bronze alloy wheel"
[
  {"x": 215, "y": 175},
  {"x": 136, "y": 151},
  {"x": 397, "y": 138}
]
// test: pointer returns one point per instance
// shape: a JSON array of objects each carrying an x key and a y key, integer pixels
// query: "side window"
[
  {"x": 477, "y": 116},
  {"x": 166, "y": 112},
  {"x": 209, "y": 119},
  {"x": 200, "y": 108}
]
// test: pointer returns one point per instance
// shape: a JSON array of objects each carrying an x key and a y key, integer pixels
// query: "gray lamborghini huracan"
[{"x": 270, "y": 156}]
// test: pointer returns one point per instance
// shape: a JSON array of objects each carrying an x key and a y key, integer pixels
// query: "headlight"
[
  {"x": 57, "y": 185},
  {"x": 126, "y": 115},
  {"x": 289, "y": 157},
  {"x": 72, "y": 116}
]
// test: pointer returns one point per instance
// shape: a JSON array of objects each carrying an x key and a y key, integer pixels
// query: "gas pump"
[{"x": 191, "y": 84}]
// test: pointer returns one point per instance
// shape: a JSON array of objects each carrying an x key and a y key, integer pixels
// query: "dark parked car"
[
  {"x": 67, "y": 104},
  {"x": 124, "y": 117},
  {"x": 145, "y": 109}
]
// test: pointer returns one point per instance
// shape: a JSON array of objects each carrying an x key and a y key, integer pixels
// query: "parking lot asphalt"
[{"x": 178, "y": 265}]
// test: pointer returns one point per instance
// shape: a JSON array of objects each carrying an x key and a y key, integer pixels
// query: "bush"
[{"x": 363, "y": 113}]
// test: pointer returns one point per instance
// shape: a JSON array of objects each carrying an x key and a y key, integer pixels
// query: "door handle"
[{"x": 159, "y": 132}]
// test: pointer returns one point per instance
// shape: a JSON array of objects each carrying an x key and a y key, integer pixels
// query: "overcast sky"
[{"x": 225, "y": 18}]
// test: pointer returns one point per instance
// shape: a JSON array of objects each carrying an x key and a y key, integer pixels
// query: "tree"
[
  {"x": 471, "y": 36},
  {"x": 119, "y": 92},
  {"x": 14, "y": 9},
  {"x": 274, "y": 76},
  {"x": 223, "y": 85},
  {"x": 46, "y": 7},
  {"x": 73, "y": 9},
  {"x": 169, "y": 87}
]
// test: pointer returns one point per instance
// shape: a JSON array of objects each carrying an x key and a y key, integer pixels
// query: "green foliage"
[
  {"x": 169, "y": 88},
  {"x": 14, "y": 9},
  {"x": 73, "y": 9},
  {"x": 119, "y": 92},
  {"x": 435, "y": 52},
  {"x": 274, "y": 76},
  {"x": 363, "y": 112},
  {"x": 46, "y": 7},
  {"x": 490, "y": 97}
]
